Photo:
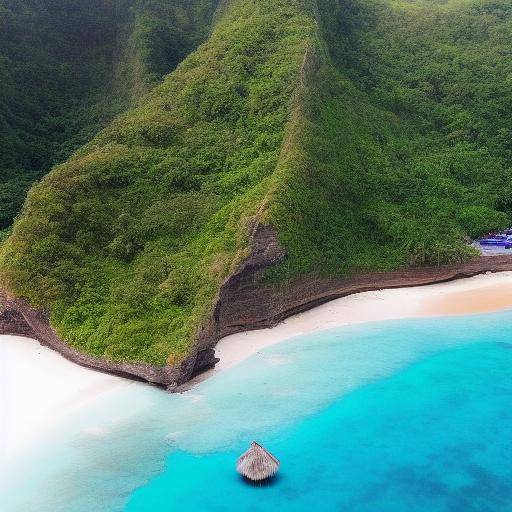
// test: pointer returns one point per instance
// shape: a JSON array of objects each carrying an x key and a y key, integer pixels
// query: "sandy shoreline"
[
  {"x": 39, "y": 388},
  {"x": 479, "y": 294}
]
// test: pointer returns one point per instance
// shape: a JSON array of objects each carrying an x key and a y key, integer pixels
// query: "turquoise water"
[
  {"x": 434, "y": 437},
  {"x": 385, "y": 417}
]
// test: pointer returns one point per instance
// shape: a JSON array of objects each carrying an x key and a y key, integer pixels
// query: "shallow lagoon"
[{"x": 392, "y": 416}]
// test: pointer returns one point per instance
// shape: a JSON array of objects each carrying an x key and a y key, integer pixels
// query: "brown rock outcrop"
[{"x": 246, "y": 302}]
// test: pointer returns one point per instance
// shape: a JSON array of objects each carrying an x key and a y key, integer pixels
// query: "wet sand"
[{"x": 479, "y": 294}]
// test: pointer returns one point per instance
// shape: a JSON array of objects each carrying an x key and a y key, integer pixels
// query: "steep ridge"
[
  {"x": 307, "y": 150},
  {"x": 127, "y": 244},
  {"x": 405, "y": 148}
]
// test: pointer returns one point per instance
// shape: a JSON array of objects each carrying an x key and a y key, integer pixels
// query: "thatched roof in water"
[{"x": 257, "y": 463}]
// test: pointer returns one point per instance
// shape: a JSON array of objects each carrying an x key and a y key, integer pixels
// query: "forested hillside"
[
  {"x": 369, "y": 134},
  {"x": 410, "y": 151},
  {"x": 68, "y": 66}
]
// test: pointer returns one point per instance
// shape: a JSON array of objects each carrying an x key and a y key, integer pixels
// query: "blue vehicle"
[{"x": 498, "y": 241}]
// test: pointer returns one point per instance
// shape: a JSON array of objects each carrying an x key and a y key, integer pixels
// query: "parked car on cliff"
[{"x": 498, "y": 241}]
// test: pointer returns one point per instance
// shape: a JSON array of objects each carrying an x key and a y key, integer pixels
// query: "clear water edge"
[{"x": 390, "y": 416}]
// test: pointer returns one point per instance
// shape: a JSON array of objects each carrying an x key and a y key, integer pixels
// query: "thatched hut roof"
[{"x": 257, "y": 463}]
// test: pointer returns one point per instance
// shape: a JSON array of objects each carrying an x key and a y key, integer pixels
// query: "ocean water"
[{"x": 381, "y": 417}]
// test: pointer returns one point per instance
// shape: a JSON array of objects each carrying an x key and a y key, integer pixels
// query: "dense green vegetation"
[
  {"x": 68, "y": 66},
  {"x": 410, "y": 151},
  {"x": 371, "y": 134},
  {"x": 129, "y": 240}
]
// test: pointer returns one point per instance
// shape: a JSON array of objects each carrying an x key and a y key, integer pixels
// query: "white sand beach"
[
  {"x": 479, "y": 294},
  {"x": 39, "y": 388}
]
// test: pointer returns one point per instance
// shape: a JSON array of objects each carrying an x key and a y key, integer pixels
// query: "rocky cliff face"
[
  {"x": 250, "y": 304},
  {"x": 18, "y": 317},
  {"x": 245, "y": 302}
]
